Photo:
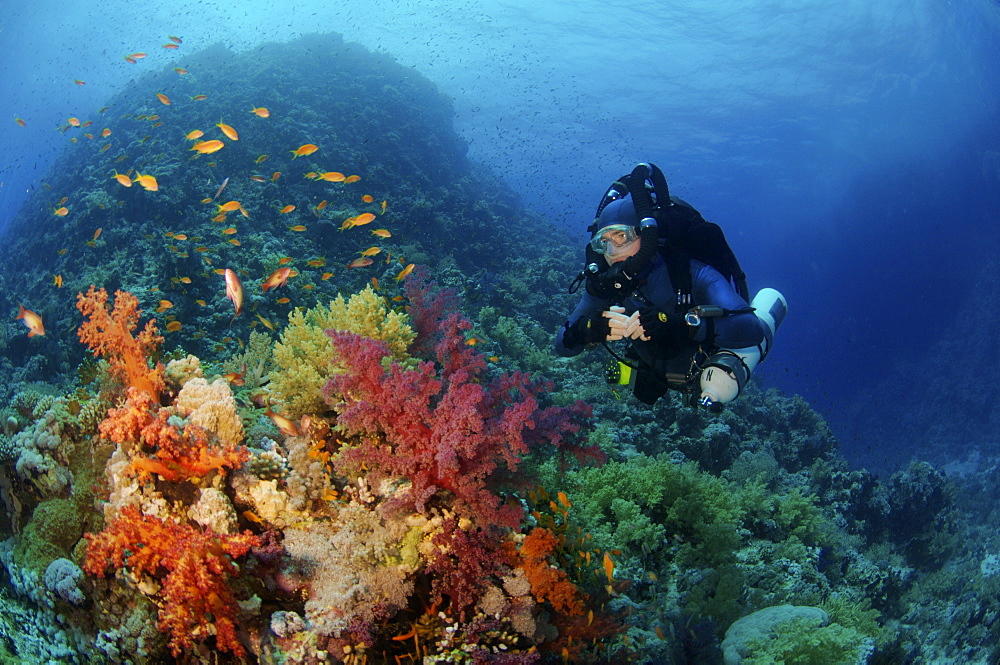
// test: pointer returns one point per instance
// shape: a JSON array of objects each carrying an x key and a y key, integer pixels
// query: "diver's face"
[{"x": 615, "y": 253}]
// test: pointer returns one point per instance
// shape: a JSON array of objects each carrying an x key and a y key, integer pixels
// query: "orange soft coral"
[
  {"x": 193, "y": 566},
  {"x": 109, "y": 334},
  {"x": 548, "y": 582},
  {"x": 174, "y": 454}
]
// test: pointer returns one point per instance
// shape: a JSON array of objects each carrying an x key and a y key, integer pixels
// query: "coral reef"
[
  {"x": 390, "y": 507},
  {"x": 304, "y": 357},
  {"x": 197, "y": 599}
]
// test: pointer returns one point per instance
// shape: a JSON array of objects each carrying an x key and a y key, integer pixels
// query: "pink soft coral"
[
  {"x": 452, "y": 429},
  {"x": 194, "y": 565},
  {"x": 109, "y": 334}
]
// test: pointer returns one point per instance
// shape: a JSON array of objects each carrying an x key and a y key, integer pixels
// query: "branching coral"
[
  {"x": 109, "y": 334},
  {"x": 463, "y": 559},
  {"x": 195, "y": 567},
  {"x": 452, "y": 430},
  {"x": 304, "y": 356},
  {"x": 172, "y": 452}
]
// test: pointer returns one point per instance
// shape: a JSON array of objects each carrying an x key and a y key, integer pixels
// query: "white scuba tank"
[{"x": 724, "y": 373}]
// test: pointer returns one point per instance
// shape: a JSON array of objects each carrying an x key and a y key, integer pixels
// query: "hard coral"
[
  {"x": 194, "y": 565},
  {"x": 109, "y": 334},
  {"x": 452, "y": 429}
]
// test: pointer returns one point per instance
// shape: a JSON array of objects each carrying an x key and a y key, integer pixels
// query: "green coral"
[
  {"x": 55, "y": 527},
  {"x": 304, "y": 356},
  {"x": 256, "y": 361},
  {"x": 805, "y": 641}
]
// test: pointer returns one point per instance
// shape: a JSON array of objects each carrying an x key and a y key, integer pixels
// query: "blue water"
[{"x": 850, "y": 150}]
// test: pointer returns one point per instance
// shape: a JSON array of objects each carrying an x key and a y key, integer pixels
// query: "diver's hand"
[
  {"x": 658, "y": 326},
  {"x": 587, "y": 330},
  {"x": 621, "y": 325}
]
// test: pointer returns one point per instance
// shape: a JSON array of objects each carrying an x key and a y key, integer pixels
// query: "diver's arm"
[
  {"x": 574, "y": 335},
  {"x": 736, "y": 330}
]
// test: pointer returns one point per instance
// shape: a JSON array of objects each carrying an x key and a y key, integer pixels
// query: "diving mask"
[{"x": 617, "y": 235}]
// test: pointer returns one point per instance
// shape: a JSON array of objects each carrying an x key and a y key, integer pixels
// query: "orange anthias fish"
[
  {"x": 208, "y": 147},
  {"x": 194, "y": 134},
  {"x": 163, "y": 98},
  {"x": 364, "y": 261},
  {"x": 303, "y": 150},
  {"x": 351, "y": 178},
  {"x": 260, "y": 112},
  {"x": 228, "y": 131},
  {"x": 363, "y": 219},
  {"x": 148, "y": 182},
  {"x": 367, "y": 198},
  {"x": 371, "y": 251},
  {"x": 32, "y": 320},
  {"x": 180, "y": 70},
  {"x": 174, "y": 326},
  {"x": 278, "y": 278},
  {"x": 405, "y": 272},
  {"x": 61, "y": 212},
  {"x": 287, "y": 209},
  {"x": 331, "y": 176},
  {"x": 382, "y": 233},
  {"x": 284, "y": 425},
  {"x": 234, "y": 290},
  {"x": 609, "y": 567},
  {"x": 229, "y": 206}
]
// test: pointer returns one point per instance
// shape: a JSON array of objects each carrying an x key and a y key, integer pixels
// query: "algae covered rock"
[{"x": 762, "y": 625}]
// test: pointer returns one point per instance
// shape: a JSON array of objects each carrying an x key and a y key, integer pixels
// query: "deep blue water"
[{"x": 851, "y": 150}]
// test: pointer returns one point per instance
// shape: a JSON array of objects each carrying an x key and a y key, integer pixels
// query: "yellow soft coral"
[{"x": 304, "y": 356}]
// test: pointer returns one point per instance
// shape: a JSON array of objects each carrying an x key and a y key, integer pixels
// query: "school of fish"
[{"x": 204, "y": 145}]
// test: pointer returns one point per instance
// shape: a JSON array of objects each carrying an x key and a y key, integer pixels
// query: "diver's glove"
[
  {"x": 587, "y": 330},
  {"x": 660, "y": 327}
]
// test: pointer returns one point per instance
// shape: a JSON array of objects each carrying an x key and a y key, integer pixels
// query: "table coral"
[
  {"x": 109, "y": 334},
  {"x": 195, "y": 567}
]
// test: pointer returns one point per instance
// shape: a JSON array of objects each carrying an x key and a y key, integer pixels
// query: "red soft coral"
[
  {"x": 463, "y": 560},
  {"x": 452, "y": 430},
  {"x": 194, "y": 565},
  {"x": 170, "y": 452},
  {"x": 109, "y": 334}
]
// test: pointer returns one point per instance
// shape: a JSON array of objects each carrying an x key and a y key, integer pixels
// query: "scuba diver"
[{"x": 664, "y": 281}]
